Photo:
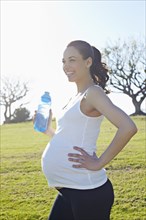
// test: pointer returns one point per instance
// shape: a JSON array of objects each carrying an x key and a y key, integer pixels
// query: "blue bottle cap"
[{"x": 46, "y": 97}]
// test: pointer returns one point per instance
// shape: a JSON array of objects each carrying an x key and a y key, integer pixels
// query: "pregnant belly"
[
  {"x": 60, "y": 173},
  {"x": 55, "y": 160}
]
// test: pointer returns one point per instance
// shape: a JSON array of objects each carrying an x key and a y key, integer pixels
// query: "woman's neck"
[{"x": 81, "y": 88}]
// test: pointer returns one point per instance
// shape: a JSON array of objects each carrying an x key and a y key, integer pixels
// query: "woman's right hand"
[
  {"x": 34, "y": 116},
  {"x": 50, "y": 131},
  {"x": 50, "y": 118}
]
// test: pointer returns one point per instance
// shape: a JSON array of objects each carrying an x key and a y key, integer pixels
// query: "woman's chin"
[{"x": 71, "y": 80}]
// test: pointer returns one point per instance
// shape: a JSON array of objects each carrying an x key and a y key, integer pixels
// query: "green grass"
[{"x": 25, "y": 194}]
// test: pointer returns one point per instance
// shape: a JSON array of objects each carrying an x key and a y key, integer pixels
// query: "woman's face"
[{"x": 74, "y": 66}]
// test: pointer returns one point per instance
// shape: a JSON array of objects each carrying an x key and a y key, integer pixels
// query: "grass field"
[{"x": 25, "y": 194}]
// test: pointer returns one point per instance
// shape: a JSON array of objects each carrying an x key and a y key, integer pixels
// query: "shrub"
[{"x": 20, "y": 115}]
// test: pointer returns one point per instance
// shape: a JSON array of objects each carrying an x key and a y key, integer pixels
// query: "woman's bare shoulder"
[{"x": 95, "y": 91}]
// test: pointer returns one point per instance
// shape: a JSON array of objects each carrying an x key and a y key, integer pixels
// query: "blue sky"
[{"x": 34, "y": 35}]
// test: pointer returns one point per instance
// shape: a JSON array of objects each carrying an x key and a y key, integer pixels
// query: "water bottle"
[{"x": 42, "y": 115}]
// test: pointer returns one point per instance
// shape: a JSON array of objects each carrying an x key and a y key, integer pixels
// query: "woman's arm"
[
  {"x": 50, "y": 132},
  {"x": 98, "y": 100},
  {"x": 126, "y": 127}
]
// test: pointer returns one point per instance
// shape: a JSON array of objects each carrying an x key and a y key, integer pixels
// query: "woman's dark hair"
[{"x": 98, "y": 69}]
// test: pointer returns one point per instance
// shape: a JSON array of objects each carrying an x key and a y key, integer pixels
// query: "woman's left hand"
[{"x": 84, "y": 160}]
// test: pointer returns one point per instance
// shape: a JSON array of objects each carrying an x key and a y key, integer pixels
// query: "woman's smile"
[{"x": 70, "y": 74}]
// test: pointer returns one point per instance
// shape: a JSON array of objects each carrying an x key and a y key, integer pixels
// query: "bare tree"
[
  {"x": 11, "y": 91},
  {"x": 127, "y": 63}
]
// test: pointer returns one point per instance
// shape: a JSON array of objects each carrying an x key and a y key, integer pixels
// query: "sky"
[{"x": 34, "y": 35}]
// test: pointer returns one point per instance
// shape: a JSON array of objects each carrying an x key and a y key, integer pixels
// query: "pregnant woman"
[{"x": 69, "y": 161}]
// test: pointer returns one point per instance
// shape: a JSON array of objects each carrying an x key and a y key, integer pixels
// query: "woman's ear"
[{"x": 89, "y": 62}]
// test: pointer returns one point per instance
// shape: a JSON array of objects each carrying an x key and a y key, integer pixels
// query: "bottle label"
[
  {"x": 44, "y": 110},
  {"x": 41, "y": 123},
  {"x": 41, "y": 120}
]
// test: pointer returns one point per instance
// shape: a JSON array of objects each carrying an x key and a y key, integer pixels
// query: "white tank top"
[{"x": 73, "y": 129}]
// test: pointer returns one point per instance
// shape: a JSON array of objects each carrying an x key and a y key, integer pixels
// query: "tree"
[
  {"x": 11, "y": 91},
  {"x": 127, "y": 64}
]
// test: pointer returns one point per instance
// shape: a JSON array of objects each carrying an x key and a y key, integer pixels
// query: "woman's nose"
[{"x": 66, "y": 67}]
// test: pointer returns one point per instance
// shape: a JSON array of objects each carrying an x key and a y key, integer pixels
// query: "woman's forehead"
[{"x": 71, "y": 51}]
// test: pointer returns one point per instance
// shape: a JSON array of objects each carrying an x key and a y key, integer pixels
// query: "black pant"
[{"x": 92, "y": 204}]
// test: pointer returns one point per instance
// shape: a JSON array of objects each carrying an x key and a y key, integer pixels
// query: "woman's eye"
[{"x": 72, "y": 60}]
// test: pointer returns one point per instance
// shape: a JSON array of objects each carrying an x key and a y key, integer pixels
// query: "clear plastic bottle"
[{"x": 42, "y": 115}]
